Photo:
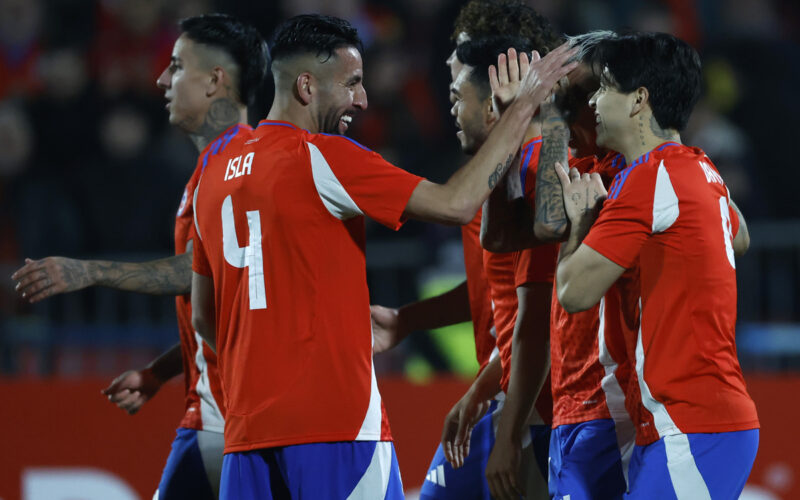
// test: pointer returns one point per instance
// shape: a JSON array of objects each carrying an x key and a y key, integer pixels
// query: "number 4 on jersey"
[{"x": 250, "y": 257}]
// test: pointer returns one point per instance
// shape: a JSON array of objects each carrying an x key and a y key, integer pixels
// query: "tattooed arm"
[
  {"x": 39, "y": 279},
  {"x": 458, "y": 200},
  {"x": 550, "y": 220}
]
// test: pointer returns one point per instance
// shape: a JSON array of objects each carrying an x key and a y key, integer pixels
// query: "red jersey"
[
  {"x": 480, "y": 302},
  {"x": 507, "y": 271},
  {"x": 201, "y": 379},
  {"x": 591, "y": 368},
  {"x": 670, "y": 210},
  {"x": 280, "y": 219}
]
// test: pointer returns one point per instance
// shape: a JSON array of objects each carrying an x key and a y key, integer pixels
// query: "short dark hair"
[
  {"x": 242, "y": 42},
  {"x": 480, "y": 53},
  {"x": 313, "y": 33},
  {"x": 483, "y": 18},
  {"x": 667, "y": 66}
]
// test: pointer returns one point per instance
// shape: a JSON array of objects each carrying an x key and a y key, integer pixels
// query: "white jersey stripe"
[
  {"x": 665, "y": 202},
  {"x": 615, "y": 397},
  {"x": 333, "y": 195},
  {"x": 371, "y": 426},
  {"x": 210, "y": 414},
  {"x": 375, "y": 481},
  {"x": 683, "y": 472},
  {"x": 663, "y": 422}
]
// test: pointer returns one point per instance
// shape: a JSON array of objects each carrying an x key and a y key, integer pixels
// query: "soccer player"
[
  {"x": 216, "y": 67},
  {"x": 670, "y": 211},
  {"x": 467, "y": 438},
  {"x": 289, "y": 311}
]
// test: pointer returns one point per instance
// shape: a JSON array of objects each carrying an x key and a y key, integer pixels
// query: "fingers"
[
  {"x": 535, "y": 57},
  {"x": 513, "y": 65},
  {"x": 574, "y": 175},
  {"x": 524, "y": 65},
  {"x": 494, "y": 83},
  {"x": 562, "y": 175},
  {"x": 502, "y": 69}
]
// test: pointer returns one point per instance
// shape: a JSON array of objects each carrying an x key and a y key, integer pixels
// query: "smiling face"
[
  {"x": 612, "y": 111},
  {"x": 341, "y": 92},
  {"x": 472, "y": 112},
  {"x": 185, "y": 83}
]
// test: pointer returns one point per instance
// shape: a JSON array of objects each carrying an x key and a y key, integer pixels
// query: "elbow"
[
  {"x": 548, "y": 232},
  {"x": 741, "y": 245},
  {"x": 571, "y": 301},
  {"x": 460, "y": 213}
]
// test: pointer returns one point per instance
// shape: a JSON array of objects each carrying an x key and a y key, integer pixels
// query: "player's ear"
[
  {"x": 490, "y": 114},
  {"x": 304, "y": 87},
  {"x": 639, "y": 99},
  {"x": 216, "y": 81}
]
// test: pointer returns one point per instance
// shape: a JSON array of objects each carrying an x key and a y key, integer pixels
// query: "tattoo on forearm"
[
  {"x": 171, "y": 276},
  {"x": 222, "y": 114},
  {"x": 549, "y": 205},
  {"x": 501, "y": 168}
]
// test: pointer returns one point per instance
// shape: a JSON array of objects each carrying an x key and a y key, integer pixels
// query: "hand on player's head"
[
  {"x": 504, "y": 78},
  {"x": 544, "y": 73}
]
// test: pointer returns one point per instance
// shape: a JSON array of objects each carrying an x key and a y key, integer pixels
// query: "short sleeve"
[
  {"x": 626, "y": 219},
  {"x": 352, "y": 180},
  {"x": 535, "y": 265}
]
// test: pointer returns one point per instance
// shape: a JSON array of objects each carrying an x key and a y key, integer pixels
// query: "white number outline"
[
  {"x": 250, "y": 257},
  {"x": 727, "y": 230}
]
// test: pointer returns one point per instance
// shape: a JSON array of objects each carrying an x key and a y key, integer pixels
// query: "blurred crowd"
[{"x": 89, "y": 166}]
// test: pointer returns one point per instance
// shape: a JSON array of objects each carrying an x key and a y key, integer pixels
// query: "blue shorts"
[
  {"x": 356, "y": 470},
  {"x": 184, "y": 476},
  {"x": 586, "y": 462},
  {"x": 693, "y": 466},
  {"x": 469, "y": 481}
]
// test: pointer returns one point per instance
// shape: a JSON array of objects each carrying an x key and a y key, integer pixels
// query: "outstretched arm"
[
  {"x": 131, "y": 390},
  {"x": 458, "y": 200},
  {"x": 550, "y": 222},
  {"x": 39, "y": 279},
  {"x": 391, "y": 325}
]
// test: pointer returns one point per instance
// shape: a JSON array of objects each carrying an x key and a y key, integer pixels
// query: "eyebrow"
[{"x": 175, "y": 59}]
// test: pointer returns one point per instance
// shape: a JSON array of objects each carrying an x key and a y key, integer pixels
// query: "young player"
[
  {"x": 457, "y": 468},
  {"x": 289, "y": 310},
  {"x": 661, "y": 212},
  {"x": 217, "y": 65}
]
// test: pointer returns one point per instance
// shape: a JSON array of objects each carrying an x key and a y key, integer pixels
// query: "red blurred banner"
[{"x": 63, "y": 434}]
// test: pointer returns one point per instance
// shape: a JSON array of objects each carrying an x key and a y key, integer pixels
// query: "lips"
[{"x": 344, "y": 123}]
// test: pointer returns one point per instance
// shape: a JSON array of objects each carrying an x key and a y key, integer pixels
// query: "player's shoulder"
[{"x": 336, "y": 142}]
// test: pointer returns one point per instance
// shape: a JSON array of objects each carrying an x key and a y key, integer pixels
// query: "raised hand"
[
  {"x": 543, "y": 74},
  {"x": 505, "y": 77},
  {"x": 583, "y": 194},
  {"x": 133, "y": 389},
  {"x": 39, "y": 279}
]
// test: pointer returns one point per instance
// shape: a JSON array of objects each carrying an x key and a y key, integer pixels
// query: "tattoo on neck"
[
  {"x": 641, "y": 130},
  {"x": 657, "y": 130},
  {"x": 222, "y": 114},
  {"x": 495, "y": 176}
]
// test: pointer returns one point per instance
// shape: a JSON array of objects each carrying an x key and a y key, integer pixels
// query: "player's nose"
[
  {"x": 163, "y": 80},
  {"x": 360, "y": 98}
]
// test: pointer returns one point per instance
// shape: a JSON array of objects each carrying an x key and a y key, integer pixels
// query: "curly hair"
[{"x": 481, "y": 18}]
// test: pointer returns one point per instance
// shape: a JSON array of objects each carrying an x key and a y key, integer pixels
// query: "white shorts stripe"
[
  {"x": 375, "y": 481},
  {"x": 683, "y": 472}
]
